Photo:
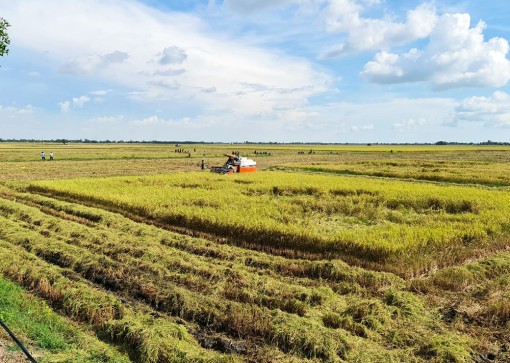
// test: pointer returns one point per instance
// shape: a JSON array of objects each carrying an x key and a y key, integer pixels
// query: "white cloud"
[
  {"x": 27, "y": 110},
  {"x": 13, "y": 111},
  {"x": 64, "y": 106},
  {"x": 172, "y": 55},
  {"x": 357, "y": 128},
  {"x": 456, "y": 56},
  {"x": 167, "y": 72},
  {"x": 18, "y": 122},
  {"x": 411, "y": 123},
  {"x": 491, "y": 111},
  {"x": 207, "y": 60},
  {"x": 102, "y": 92},
  {"x": 375, "y": 34},
  {"x": 99, "y": 95},
  {"x": 209, "y": 90},
  {"x": 154, "y": 121},
  {"x": 167, "y": 83},
  {"x": 381, "y": 116},
  {"x": 91, "y": 63},
  {"x": 80, "y": 101}
]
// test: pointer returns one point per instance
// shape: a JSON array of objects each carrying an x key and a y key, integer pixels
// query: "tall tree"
[{"x": 4, "y": 37}]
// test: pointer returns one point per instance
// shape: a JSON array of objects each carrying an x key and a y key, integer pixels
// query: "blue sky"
[{"x": 257, "y": 70}]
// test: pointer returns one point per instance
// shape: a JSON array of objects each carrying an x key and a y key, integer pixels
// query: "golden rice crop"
[
  {"x": 120, "y": 276},
  {"x": 159, "y": 264},
  {"x": 370, "y": 219},
  {"x": 450, "y": 171}
]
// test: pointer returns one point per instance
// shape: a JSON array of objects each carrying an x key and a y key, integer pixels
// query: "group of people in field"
[{"x": 43, "y": 156}]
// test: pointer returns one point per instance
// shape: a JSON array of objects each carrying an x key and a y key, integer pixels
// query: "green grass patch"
[{"x": 54, "y": 338}]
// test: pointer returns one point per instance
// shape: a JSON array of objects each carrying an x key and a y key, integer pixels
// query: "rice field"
[
  {"x": 494, "y": 174},
  {"x": 300, "y": 262},
  {"x": 375, "y": 221},
  {"x": 30, "y": 151}
]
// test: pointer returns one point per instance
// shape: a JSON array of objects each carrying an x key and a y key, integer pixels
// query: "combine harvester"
[{"x": 236, "y": 164}]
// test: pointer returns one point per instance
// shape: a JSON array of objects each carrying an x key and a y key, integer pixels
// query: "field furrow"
[
  {"x": 372, "y": 223},
  {"x": 443, "y": 171},
  {"x": 293, "y": 308},
  {"x": 329, "y": 253}
]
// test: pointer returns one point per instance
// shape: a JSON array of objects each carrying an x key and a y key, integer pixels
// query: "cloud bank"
[
  {"x": 330, "y": 70},
  {"x": 493, "y": 111},
  {"x": 345, "y": 16},
  {"x": 456, "y": 56},
  {"x": 164, "y": 56}
]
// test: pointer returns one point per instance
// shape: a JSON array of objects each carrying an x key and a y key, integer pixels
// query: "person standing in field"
[
  {"x": 203, "y": 164},
  {"x": 43, "y": 156},
  {"x": 51, "y": 155}
]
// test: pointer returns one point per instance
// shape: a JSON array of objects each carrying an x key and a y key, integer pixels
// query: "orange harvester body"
[{"x": 236, "y": 164}]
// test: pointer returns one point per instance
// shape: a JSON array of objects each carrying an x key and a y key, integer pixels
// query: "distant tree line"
[
  {"x": 488, "y": 142},
  {"x": 175, "y": 142},
  {"x": 88, "y": 141}
]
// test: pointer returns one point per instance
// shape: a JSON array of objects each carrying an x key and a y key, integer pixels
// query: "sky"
[{"x": 332, "y": 71}]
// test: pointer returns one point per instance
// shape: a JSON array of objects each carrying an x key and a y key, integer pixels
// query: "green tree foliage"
[{"x": 4, "y": 37}]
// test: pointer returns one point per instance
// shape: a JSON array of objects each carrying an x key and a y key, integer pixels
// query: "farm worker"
[
  {"x": 43, "y": 156},
  {"x": 203, "y": 164},
  {"x": 51, "y": 155}
]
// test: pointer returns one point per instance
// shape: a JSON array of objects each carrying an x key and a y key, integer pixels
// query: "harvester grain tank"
[{"x": 236, "y": 164}]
